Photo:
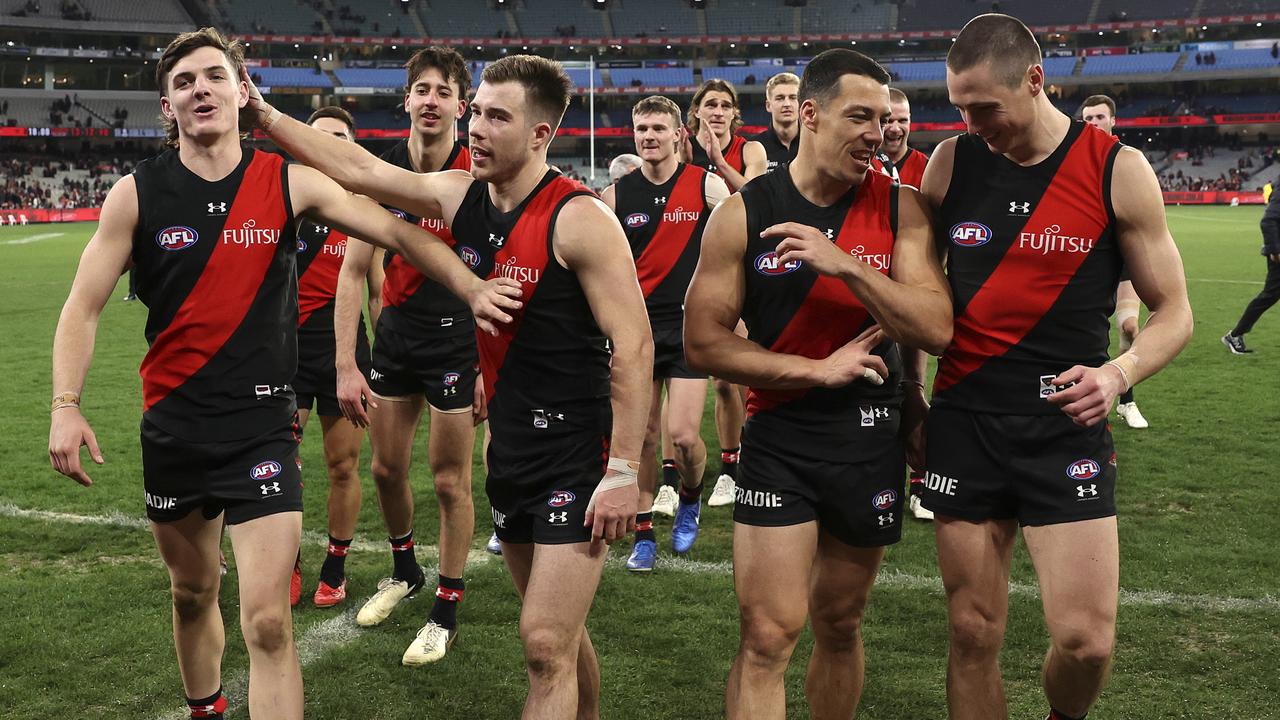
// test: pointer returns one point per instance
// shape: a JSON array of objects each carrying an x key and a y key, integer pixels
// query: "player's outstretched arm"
[
  {"x": 104, "y": 259},
  {"x": 350, "y": 165},
  {"x": 317, "y": 196},
  {"x": 1155, "y": 266},
  {"x": 590, "y": 242},
  {"x": 353, "y": 389},
  {"x": 713, "y": 306},
  {"x": 913, "y": 303}
]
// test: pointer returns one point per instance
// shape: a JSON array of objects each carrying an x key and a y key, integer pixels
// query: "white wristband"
[{"x": 620, "y": 474}]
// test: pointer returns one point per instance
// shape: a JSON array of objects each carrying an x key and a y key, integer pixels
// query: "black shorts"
[
  {"x": 668, "y": 355},
  {"x": 317, "y": 380},
  {"x": 1040, "y": 469},
  {"x": 444, "y": 369},
  {"x": 855, "y": 492},
  {"x": 542, "y": 474},
  {"x": 248, "y": 479}
]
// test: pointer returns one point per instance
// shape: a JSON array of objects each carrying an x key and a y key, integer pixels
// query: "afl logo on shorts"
[
  {"x": 884, "y": 499},
  {"x": 469, "y": 256},
  {"x": 265, "y": 470},
  {"x": 1085, "y": 469},
  {"x": 970, "y": 234},
  {"x": 560, "y": 498},
  {"x": 178, "y": 237},
  {"x": 635, "y": 220},
  {"x": 767, "y": 264},
  {"x": 451, "y": 379}
]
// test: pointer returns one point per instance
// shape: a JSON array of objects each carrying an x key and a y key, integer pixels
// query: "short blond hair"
[{"x": 782, "y": 78}]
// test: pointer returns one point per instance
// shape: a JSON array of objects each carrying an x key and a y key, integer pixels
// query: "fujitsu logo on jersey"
[
  {"x": 433, "y": 225},
  {"x": 879, "y": 261},
  {"x": 512, "y": 271},
  {"x": 249, "y": 234},
  {"x": 680, "y": 215},
  {"x": 339, "y": 248},
  {"x": 1050, "y": 241}
]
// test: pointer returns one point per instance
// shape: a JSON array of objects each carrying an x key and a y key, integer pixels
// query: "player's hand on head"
[
  {"x": 802, "y": 243},
  {"x": 353, "y": 392},
  {"x": 1090, "y": 395},
  {"x": 68, "y": 432},
  {"x": 256, "y": 101},
  {"x": 855, "y": 361},
  {"x": 492, "y": 301}
]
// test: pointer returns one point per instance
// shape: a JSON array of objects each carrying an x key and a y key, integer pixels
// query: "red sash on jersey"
[
  {"x": 318, "y": 285},
  {"x": 733, "y": 154},
  {"x": 523, "y": 257},
  {"x": 1027, "y": 282},
  {"x": 831, "y": 314},
  {"x": 672, "y": 237},
  {"x": 401, "y": 279},
  {"x": 228, "y": 284}
]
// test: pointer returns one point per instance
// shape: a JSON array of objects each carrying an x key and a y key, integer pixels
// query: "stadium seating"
[
  {"x": 740, "y": 75},
  {"x": 370, "y": 77},
  {"x": 271, "y": 16},
  {"x": 929, "y": 70},
  {"x": 652, "y": 17},
  {"x": 1112, "y": 10},
  {"x": 1059, "y": 66},
  {"x": 581, "y": 77},
  {"x": 444, "y": 18},
  {"x": 837, "y": 16},
  {"x": 666, "y": 77},
  {"x": 541, "y": 18},
  {"x": 1234, "y": 60},
  {"x": 292, "y": 77},
  {"x": 168, "y": 12},
  {"x": 1129, "y": 64},
  {"x": 393, "y": 18},
  {"x": 742, "y": 17}
]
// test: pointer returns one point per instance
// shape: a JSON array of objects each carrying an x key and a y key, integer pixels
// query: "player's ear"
[
  {"x": 543, "y": 133},
  {"x": 166, "y": 107},
  {"x": 809, "y": 114}
]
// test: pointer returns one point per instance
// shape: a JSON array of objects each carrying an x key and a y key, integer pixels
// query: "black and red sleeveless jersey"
[
  {"x": 215, "y": 265},
  {"x": 910, "y": 171},
  {"x": 412, "y": 303},
  {"x": 789, "y": 308},
  {"x": 732, "y": 155},
  {"x": 664, "y": 225},
  {"x": 549, "y": 365},
  {"x": 774, "y": 151},
  {"x": 1033, "y": 265},
  {"x": 321, "y": 250}
]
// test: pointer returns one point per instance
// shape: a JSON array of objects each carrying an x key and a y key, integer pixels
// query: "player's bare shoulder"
[
  {"x": 937, "y": 172},
  {"x": 586, "y": 227}
]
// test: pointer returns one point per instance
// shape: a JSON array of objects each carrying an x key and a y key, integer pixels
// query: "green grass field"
[{"x": 86, "y": 606}]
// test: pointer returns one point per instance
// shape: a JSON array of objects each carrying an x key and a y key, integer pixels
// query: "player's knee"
[
  {"x": 766, "y": 641},
  {"x": 1087, "y": 646},
  {"x": 388, "y": 474},
  {"x": 341, "y": 467},
  {"x": 267, "y": 631},
  {"x": 686, "y": 441},
  {"x": 546, "y": 653},
  {"x": 192, "y": 600},
  {"x": 452, "y": 486},
  {"x": 837, "y": 631},
  {"x": 975, "y": 633}
]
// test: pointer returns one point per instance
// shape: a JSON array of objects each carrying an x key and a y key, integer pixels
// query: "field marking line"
[
  {"x": 1209, "y": 218},
  {"x": 33, "y": 238},
  {"x": 1221, "y": 280}
]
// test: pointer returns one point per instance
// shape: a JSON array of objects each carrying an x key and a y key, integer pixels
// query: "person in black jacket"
[{"x": 1234, "y": 340}]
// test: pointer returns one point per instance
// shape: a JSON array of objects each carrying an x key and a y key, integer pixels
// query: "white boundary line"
[
  {"x": 33, "y": 238},
  {"x": 1220, "y": 280}
]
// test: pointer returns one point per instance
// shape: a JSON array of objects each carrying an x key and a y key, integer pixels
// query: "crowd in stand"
[{"x": 31, "y": 181}]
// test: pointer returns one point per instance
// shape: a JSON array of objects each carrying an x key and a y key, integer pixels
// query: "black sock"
[
  {"x": 689, "y": 496},
  {"x": 644, "y": 527},
  {"x": 729, "y": 462},
  {"x": 210, "y": 708},
  {"x": 406, "y": 563},
  {"x": 1059, "y": 715},
  {"x": 670, "y": 475},
  {"x": 1126, "y": 396},
  {"x": 449, "y": 593},
  {"x": 334, "y": 569}
]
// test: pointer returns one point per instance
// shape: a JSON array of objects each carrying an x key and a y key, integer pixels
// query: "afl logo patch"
[
  {"x": 970, "y": 234},
  {"x": 560, "y": 498},
  {"x": 767, "y": 264},
  {"x": 302, "y": 245},
  {"x": 635, "y": 220},
  {"x": 451, "y": 379},
  {"x": 469, "y": 256},
  {"x": 265, "y": 470},
  {"x": 1085, "y": 469},
  {"x": 178, "y": 237},
  {"x": 399, "y": 213},
  {"x": 884, "y": 499}
]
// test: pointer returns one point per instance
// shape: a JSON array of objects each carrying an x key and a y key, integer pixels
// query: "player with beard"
[
  {"x": 830, "y": 265},
  {"x": 567, "y": 420},
  {"x": 320, "y": 254},
  {"x": 897, "y": 159},
  {"x": 424, "y": 357},
  {"x": 1041, "y": 213},
  {"x": 210, "y": 227},
  {"x": 780, "y": 139},
  {"x": 663, "y": 208}
]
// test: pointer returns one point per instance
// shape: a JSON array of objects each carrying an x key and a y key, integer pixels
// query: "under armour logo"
[
  {"x": 218, "y": 207},
  {"x": 558, "y": 518},
  {"x": 660, "y": 200},
  {"x": 1018, "y": 208},
  {"x": 831, "y": 234},
  {"x": 322, "y": 229},
  {"x": 497, "y": 240},
  {"x": 1086, "y": 490},
  {"x": 884, "y": 520},
  {"x": 272, "y": 489}
]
